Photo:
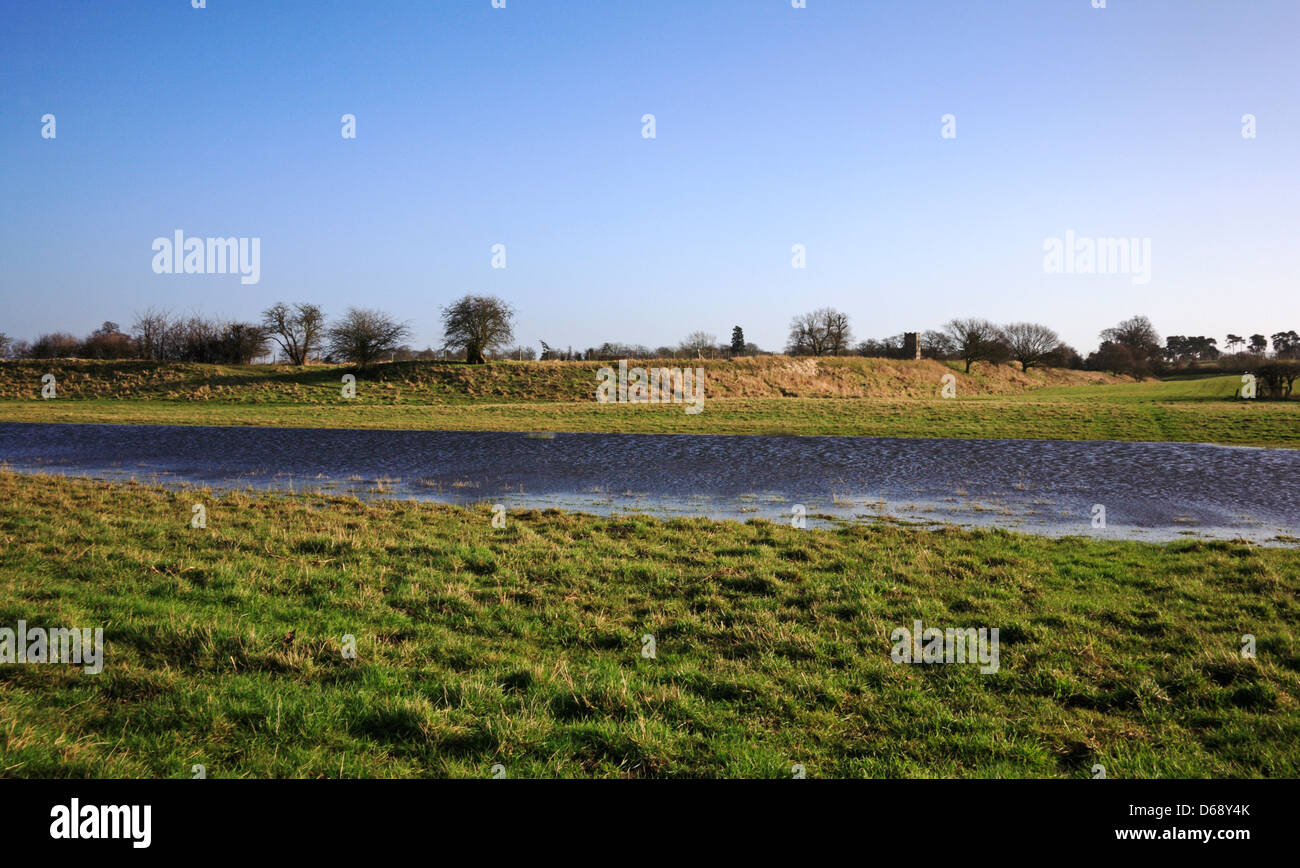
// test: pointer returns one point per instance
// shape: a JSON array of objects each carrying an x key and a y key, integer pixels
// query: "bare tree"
[
  {"x": 1031, "y": 343},
  {"x": 937, "y": 345},
  {"x": 150, "y": 331},
  {"x": 479, "y": 324},
  {"x": 1134, "y": 333},
  {"x": 976, "y": 340},
  {"x": 241, "y": 342},
  {"x": 806, "y": 336},
  {"x": 364, "y": 335},
  {"x": 695, "y": 343},
  {"x": 838, "y": 333},
  {"x": 297, "y": 330},
  {"x": 822, "y": 332}
]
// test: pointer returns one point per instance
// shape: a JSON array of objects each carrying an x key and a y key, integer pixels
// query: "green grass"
[
  {"x": 526, "y": 397},
  {"x": 522, "y": 645},
  {"x": 1058, "y": 417},
  {"x": 1204, "y": 389}
]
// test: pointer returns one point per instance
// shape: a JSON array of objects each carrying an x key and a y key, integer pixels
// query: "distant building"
[{"x": 911, "y": 345}]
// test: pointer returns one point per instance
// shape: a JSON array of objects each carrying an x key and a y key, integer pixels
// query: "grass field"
[
  {"x": 429, "y": 382},
  {"x": 522, "y": 645},
  {"x": 849, "y": 397},
  {"x": 1087, "y": 418}
]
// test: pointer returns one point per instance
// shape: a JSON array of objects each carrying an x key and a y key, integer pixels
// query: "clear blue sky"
[{"x": 775, "y": 126}]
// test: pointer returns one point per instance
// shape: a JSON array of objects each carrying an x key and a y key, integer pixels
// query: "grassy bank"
[
  {"x": 848, "y": 397},
  {"x": 522, "y": 645},
  {"x": 502, "y": 382}
]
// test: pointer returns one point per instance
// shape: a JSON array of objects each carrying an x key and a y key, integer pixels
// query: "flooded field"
[{"x": 1151, "y": 491}]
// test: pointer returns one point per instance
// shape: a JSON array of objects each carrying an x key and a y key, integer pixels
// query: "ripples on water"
[{"x": 1155, "y": 491}]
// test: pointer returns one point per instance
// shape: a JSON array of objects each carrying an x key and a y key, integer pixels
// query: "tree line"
[
  {"x": 479, "y": 328},
  {"x": 474, "y": 329},
  {"x": 1132, "y": 347},
  {"x": 826, "y": 332},
  {"x": 299, "y": 333}
]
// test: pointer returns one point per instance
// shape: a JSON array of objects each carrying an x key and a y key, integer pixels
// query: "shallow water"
[{"x": 1152, "y": 491}]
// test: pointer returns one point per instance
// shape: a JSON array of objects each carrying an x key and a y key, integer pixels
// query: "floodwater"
[{"x": 1151, "y": 491}]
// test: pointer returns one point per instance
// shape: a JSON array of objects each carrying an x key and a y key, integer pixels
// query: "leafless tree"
[
  {"x": 297, "y": 329},
  {"x": 822, "y": 332},
  {"x": 1031, "y": 343},
  {"x": 363, "y": 335},
  {"x": 150, "y": 331},
  {"x": 838, "y": 333},
  {"x": 937, "y": 345},
  {"x": 977, "y": 340},
  {"x": 806, "y": 336},
  {"x": 695, "y": 343}
]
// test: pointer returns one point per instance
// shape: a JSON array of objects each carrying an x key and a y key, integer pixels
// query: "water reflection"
[{"x": 1154, "y": 491}]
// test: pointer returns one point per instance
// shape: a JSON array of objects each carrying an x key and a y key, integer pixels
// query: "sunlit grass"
[
  {"x": 1056, "y": 418},
  {"x": 497, "y": 398},
  {"x": 522, "y": 645}
]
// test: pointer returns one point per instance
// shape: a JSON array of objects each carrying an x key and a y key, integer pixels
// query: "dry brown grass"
[{"x": 852, "y": 377}]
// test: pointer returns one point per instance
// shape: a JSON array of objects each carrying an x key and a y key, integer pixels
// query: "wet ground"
[{"x": 1152, "y": 491}]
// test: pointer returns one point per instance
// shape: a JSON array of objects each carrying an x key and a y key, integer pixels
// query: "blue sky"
[{"x": 775, "y": 126}]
